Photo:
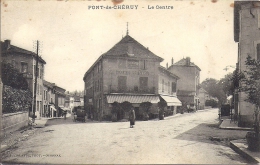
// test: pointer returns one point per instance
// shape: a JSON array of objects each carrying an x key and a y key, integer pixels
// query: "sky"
[{"x": 73, "y": 34}]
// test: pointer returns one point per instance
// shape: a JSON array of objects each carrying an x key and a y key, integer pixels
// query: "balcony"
[{"x": 135, "y": 89}]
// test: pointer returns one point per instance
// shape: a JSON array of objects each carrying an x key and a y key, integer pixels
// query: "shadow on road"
[{"x": 210, "y": 133}]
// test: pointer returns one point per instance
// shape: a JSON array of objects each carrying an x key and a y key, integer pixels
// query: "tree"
[
  {"x": 145, "y": 107},
  {"x": 12, "y": 77},
  {"x": 213, "y": 87},
  {"x": 251, "y": 86}
]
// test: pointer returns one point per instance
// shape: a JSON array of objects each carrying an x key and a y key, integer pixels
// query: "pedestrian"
[{"x": 132, "y": 118}]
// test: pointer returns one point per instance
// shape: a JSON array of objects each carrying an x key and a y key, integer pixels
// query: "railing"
[{"x": 135, "y": 90}]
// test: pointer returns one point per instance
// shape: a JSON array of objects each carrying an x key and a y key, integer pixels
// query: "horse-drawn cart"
[{"x": 79, "y": 115}]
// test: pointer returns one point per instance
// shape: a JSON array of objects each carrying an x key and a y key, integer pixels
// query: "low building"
[
  {"x": 203, "y": 97},
  {"x": 167, "y": 89}
]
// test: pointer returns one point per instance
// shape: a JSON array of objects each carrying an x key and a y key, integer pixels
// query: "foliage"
[
  {"x": 16, "y": 100},
  {"x": 126, "y": 106},
  {"x": 213, "y": 103},
  {"x": 145, "y": 106},
  {"x": 214, "y": 88},
  {"x": 12, "y": 77},
  {"x": 250, "y": 84},
  {"x": 115, "y": 107}
]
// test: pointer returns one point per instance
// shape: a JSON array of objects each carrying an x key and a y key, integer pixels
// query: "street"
[{"x": 188, "y": 138}]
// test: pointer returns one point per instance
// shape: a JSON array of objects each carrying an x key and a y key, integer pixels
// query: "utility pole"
[{"x": 35, "y": 82}]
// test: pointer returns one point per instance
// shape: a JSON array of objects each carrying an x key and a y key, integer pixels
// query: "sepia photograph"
[{"x": 130, "y": 82}]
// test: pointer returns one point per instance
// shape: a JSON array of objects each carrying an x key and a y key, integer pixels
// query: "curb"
[{"x": 242, "y": 153}]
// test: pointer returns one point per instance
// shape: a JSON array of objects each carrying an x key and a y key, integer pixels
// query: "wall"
[
  {"x": 186, "y": 75},
  {"x": 14, "y": 121},
  {"x": 249, "y": 37}
]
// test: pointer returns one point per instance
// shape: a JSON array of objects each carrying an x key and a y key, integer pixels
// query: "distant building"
[
  {"x": 25, "y": 62},
  {"x": 203, "y": 97},
  {"x": 188, "y": 84},
  {"x": 127, "y": 72},
  {"x": 49, "y": 103},
  {"x": 247, "y": 34}
]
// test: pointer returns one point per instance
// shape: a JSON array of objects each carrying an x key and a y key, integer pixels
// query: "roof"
[
  {"x": 183, "y": 62},
  {"x": 185, "y": 93},
  {"x": 203, "y": 90},
  {"x": 164, "y": 70},
  {"x": 48, "y": 84},
  {"x": 16, "y": 49},
  {"x": 121, "y": 50}
]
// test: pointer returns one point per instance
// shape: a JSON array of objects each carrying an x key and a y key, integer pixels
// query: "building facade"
[
  {"x": 203, "y": 97},
  {"x": 247, "y": 35},
  {"x": 127, "y": 72},
  {"x": 49, "y": 100},
  {"x": 188, "y": 84},
  {"x": 25, "y": 62},
  {"x": 167, "y": 90}
]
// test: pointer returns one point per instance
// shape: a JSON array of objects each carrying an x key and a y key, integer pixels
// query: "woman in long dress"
[{"x": 132, "y": 118}]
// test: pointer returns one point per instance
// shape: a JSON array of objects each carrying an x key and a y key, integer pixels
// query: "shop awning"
[
  {"x": 53, "y": 107},
  {"x": 134, "y": 99},
  {"x": 171, "y": 100}
]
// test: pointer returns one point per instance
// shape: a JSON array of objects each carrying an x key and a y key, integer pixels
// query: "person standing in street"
[{"x": 132, "y": 118}]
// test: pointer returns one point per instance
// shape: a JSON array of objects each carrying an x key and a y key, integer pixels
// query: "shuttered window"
[{"x": 122, "y": 83}]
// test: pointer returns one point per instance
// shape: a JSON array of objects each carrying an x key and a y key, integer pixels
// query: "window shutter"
[{"x": 258, "y": 51}]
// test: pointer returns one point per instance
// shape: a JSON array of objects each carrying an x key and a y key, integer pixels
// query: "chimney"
[
  {"x": 188, "y": 61},
  {"x": 7, "y": 44},
  {"x": 172, "y": 60},
  {"x": 167, "y": 65}
]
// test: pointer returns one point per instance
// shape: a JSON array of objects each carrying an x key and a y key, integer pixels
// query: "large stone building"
[
  {"x": 25, "y": 62},
  {"x": 247, "y": 35},
  {"x": 188, "y": 84},
  {"x": 127, "y": 72}
]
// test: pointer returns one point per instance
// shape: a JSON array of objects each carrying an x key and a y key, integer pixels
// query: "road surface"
[{"x": 188, "y": 138}]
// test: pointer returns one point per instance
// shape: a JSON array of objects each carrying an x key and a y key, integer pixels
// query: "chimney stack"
[
  {"x": 188, "y": 61},
  {"x": 172, "y": 60},
  {"x": 7, "y": 44},
  {"x": 167, "y": 65}
]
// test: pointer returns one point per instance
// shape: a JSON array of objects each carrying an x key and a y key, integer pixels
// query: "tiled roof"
[
  {"x": 48, "y": 84},
  {"x": 13, "y": 48},
  {"x": 164, "y": 70},
  {"x": 183, "y": 62},
  {"x": 121, "y": 49}
]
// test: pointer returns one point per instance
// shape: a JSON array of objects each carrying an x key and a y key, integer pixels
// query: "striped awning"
[
  {"x": 171, "y": 100},
  {"x": 134, "y": 99}
]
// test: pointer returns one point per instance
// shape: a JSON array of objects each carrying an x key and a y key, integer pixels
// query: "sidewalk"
[{"x": 240, "y": 146}]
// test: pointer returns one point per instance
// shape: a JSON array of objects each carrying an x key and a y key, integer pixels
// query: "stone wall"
[{"x": 13, "y": 121}]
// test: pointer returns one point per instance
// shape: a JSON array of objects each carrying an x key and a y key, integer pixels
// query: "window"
[
  {"x": 121, "y": 63},
  {"x": 143, "y": 82},
  {"x": 122, "y": 83},
  {"x": 162, "y": 85},
  {"x": 258, "y": 51},
  {"x": 174, "y": 87},
  {"x": 24, "y": 67},
  {"x": 133, "y": 64},
  {"x": 143, "y": 65}
]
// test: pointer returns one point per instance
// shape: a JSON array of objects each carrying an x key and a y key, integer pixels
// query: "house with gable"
[
  {"x": 126, "y": 72},
  {"x": 188, "y": 84}
]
